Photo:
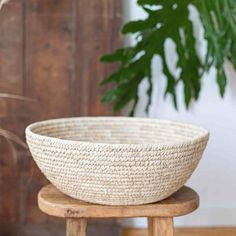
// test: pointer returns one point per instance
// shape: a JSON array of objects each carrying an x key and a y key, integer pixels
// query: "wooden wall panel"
[
  {"x": 11, "y": 81},
  {"x": 97, "y": 34},
  {"x": 48, "y": 59},
  {"x": 48, "y": 47},
  {"x": 49, "y": 51}
]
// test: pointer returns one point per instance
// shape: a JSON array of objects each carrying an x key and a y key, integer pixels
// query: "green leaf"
[
  {"x": 148, "y": 2},
  {"x": 221, "y": 80},
  {"x": 136, "y": 26},
  {"x": 117, "y": 56},
  {"x": 110, "y": 96}
]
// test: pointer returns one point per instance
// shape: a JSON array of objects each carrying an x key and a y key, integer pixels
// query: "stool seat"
[
  {"x": 52, "y": 202},
  {"x": 160, "y": 214}
]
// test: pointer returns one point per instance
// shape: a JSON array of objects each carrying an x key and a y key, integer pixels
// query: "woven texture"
[{"x": 116, "y": 160}]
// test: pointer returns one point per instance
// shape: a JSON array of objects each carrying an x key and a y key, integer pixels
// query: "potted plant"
[{"x": 171, "y": 20}]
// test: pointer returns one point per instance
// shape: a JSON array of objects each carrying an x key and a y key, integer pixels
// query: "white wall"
[{"x": 215, "y": 177}]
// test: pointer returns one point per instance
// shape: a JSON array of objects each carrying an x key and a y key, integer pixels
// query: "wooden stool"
[{"x": 160, "y": 215}]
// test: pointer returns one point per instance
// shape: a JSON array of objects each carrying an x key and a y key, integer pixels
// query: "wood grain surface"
[
  {"x": 49, "y": 51},
  {"x": 160, "y": 226},
  {"x": 75, "y": 227}
]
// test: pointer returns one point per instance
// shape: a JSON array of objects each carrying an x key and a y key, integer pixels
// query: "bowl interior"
[{"x": 118, "y": 130}]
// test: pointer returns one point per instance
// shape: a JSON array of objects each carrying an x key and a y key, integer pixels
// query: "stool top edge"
[{"x": 55, "y": 203}]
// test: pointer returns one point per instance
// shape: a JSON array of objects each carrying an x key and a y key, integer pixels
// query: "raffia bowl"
[{"x": 116, "y": 160}]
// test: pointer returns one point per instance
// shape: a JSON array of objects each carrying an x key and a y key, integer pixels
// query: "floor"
[{"x": 187, "y": 232}]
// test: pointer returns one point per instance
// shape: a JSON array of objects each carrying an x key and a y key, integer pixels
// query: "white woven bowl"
[{"x": 116, "y": 160}]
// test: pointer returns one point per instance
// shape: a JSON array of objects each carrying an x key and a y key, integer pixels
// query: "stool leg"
[
  {"x": 160, "y": 226},
  {"x": 76, "y": 227}
]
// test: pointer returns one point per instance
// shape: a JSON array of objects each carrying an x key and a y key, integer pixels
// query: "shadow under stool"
[{"x": 160, "y": 214}]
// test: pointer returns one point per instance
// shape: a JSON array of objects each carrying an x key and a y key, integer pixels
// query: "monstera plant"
[{"x": 169, "y": 19}]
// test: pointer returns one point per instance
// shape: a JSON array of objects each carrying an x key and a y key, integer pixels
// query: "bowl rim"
[{"x": 203, "y": 136}]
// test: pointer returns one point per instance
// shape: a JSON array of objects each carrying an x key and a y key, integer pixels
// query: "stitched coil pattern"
[{"x": 116, "y": 160}]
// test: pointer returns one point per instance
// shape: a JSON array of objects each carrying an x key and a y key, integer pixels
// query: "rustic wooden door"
[{"x": 49, "y": 51}]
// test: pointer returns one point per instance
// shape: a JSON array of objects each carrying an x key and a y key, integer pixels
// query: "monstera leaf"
[{"x": 169, "y": 19}]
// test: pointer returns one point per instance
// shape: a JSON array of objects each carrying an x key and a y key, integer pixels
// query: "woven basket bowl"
[{"x": 116, "y": 160}]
